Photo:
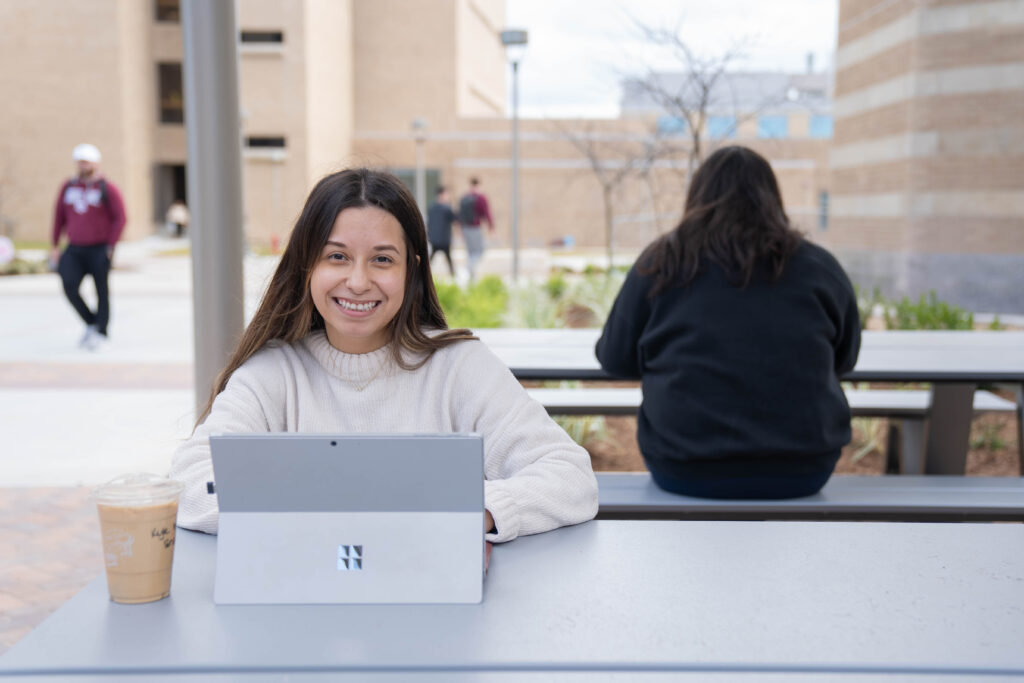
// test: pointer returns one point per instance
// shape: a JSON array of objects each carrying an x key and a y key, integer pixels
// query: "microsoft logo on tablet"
[{"x": 350, "y": 558}]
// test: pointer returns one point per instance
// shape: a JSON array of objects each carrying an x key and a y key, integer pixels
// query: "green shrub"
[
  {"x": 987, "y": 436},
  {"x": 532, "y": 306},
  {"x": 866, "y": 304},
  {"x": 482, "y": 304},
  {"x": 556, "y": 286},
  {"x": 928, "y": 313},
  {"x": 594, "y": 292},
  {"x": 580, "y": 428},
  {"x": 19, "y": 266}
]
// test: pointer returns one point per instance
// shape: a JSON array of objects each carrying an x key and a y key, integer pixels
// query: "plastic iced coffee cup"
[{"x": 137, "y": 516}]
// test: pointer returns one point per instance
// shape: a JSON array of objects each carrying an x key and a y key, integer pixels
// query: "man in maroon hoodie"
[{"x": 90, "y": 211}]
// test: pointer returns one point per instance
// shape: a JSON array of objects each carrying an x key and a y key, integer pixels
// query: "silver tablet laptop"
[{"x": 360, "y": 518}]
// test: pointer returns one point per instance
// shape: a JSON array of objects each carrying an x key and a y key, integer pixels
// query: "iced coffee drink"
[{"x": 137, "y": 517}]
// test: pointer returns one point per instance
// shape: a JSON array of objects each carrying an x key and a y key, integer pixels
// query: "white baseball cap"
[{"x": 86, "y": 152}]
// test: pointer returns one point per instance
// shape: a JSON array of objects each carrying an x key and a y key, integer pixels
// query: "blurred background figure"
[
  {"x": 474, "y": 210},
  {"x": 177, "y": 218},
  {"x": 91, "y": 212},
  {"x": 440, "y": 217}
]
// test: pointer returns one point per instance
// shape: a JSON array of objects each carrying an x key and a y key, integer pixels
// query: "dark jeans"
[
  {"x": 446, "y": 250},
  {"x": 75, "y": 263},
  {"x": 762, "y": 486}
]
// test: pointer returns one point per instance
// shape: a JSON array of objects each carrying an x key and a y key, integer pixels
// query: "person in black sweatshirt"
[{"x": 739, "y": 329}]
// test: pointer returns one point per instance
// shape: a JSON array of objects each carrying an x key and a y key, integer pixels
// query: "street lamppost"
[
  {"x": 515, "y": 41},
  {"x": 419, "y": 134}
]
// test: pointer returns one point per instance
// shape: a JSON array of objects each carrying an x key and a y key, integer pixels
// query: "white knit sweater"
[{"x": 537, "y": 478}]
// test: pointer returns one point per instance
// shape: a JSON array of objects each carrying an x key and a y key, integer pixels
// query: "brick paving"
[
  {"x": 96, "y": 375},
  {"x": 49, "y": 550}
]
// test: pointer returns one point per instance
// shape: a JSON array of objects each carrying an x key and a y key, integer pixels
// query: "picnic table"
[
  {"x": 954, "y": 362},
  {"x": 614, "y": 600}
]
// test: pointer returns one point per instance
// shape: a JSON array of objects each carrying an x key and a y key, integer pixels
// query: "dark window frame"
[
  {"x": 170, "y": 93},
  {"x": 167, "y": 11},
  {"x": 265, "y": 142},
  {"x": 250, "y": 37}
]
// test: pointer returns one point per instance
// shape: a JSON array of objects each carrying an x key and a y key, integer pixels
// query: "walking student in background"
[
  {"x": 473, "y": 211},
  {"x": 739, "y": 329},
  {"x": 440, "y": 217},
  {"x": 90, "y": 210}
]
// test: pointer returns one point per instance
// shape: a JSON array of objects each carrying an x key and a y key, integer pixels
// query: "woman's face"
[{"x": 358, "y": 282}]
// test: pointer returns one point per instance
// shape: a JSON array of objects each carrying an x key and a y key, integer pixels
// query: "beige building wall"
[
  {"x": 330, "y": 77},
  {"x": 87, "y": 72},
  {"x": 65, "y": 69},
  {"x": 560, "y": 194},
  {"x": 928, "y": 156},
  {"x": 480, "y": 58},
  {"x": 406, "y": 68}
]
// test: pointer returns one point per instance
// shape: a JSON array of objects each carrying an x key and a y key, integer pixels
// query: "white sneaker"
[
  {"x": 88, "y": 339},
  {"x": 99, "y": 342},
  {"x": 93, "y": 339}
]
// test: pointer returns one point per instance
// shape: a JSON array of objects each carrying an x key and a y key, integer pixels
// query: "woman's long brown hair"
[
  {"x": 733, "y": 217},
  {"x": 287, "y": 313}
]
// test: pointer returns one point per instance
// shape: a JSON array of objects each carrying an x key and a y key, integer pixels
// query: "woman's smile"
[{"x": 357, "y": 307}]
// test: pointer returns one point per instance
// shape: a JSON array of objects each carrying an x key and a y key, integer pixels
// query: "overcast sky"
[{"x": 580, "y": 49}]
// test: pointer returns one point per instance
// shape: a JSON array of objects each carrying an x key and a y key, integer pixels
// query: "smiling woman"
[
  {"x": 350, "y": 338},
  {"x": 359, "y": 282}
]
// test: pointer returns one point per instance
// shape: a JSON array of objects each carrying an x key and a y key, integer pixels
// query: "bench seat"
[
  {"x": 863, "y": 402},
  {"x": 931, "y": 498}
]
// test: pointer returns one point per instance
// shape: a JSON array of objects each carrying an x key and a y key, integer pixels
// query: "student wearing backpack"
[
  {"x": 474, "y": 209},
  {"x": 91, "y": 212}
]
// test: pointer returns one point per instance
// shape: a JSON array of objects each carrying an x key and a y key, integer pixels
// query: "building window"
[
  {"x": 671, "y": 125},
  {"x": 264, "y": 142},
  {"x": 823, "y": 210},
  {"x": 721, "y": 127},
  {"x": 168, "y": 11},
  {"x": 262, "y": 36},
  {"x": 431, "y": 181},
  {"x": 772, "y": 126},
  {"x": 820, "y": 126},
  {"x": 172, "y": 103}
]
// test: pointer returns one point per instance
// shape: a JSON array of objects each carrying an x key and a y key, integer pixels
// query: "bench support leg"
[
  {"x": 1019, "y": 391},
  {"x": 911, "y": 446},
  {"x": 949, "y": 428}
]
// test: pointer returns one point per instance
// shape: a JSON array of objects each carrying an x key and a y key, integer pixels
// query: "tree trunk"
[{"x": 606, "y": 195}]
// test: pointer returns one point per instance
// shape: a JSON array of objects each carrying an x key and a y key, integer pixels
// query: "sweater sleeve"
[
  {"x": 59, "y": 218},
  {"x": 240, "y": 408},
  {"x": 118, "y": 217},
  {"x": 848, "y": 347},
  {"x": 618, "y": 349},
  {"x": 536, "y": 477},
  {"x": 483, "y": 210}
]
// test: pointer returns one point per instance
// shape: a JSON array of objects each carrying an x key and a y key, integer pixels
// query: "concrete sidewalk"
[{"x": 75, "y": 417}]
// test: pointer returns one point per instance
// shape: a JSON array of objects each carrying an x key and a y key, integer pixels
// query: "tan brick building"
[
  {"x": 924, "y": 177},
  {"x": 324, "y": 84},
  {"x": 311, "y": 72},
  {"x": 928, "y": 157}
]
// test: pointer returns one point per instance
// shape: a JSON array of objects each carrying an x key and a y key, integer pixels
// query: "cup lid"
[{"x": 138, "y": 488}]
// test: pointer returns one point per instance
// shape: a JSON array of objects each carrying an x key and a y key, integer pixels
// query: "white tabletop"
[
  {"x": 903, "y": 356},
  {"x": 792, "y": 598}
]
